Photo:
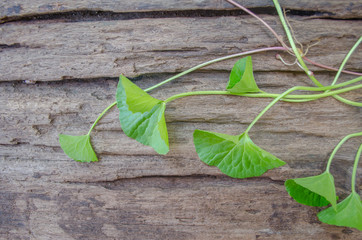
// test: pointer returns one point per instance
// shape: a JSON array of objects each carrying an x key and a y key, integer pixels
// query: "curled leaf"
[
  {"x": 236, "y": 156},
  {"x": 348, "y": 213},
  {"x": 315, "y": 191},
  {"x": 78, "y": 148},
  {"x": 142, "y": 116},
  {"x": 241, "y": 78}
]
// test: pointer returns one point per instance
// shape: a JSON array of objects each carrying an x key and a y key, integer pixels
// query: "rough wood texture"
[
  {"x": 334, "y": 8},
  {"x": 161, "y": 208},
  {"x": 58, "y": 50},
  {"x": 42, "y": 111},
  {"x": 133, "y": 193}
]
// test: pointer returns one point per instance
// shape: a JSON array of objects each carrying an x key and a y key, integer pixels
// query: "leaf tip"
[
  {"x": 142, "y": 116},
  {"x": 241, "y": 79},
  {"x": 348, "y": 213},
  {"x": 311, "y": 191},
  {"x": 78, "y": 148}
]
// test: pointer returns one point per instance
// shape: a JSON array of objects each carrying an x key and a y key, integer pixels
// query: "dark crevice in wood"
[
  {"x": 114, "y": 184},
  {"x": 67, "y": 80},
  {"x": 156, "y": 75},
  {"x": 327, "y": 17},
  {"x": 296, "y": 133},
  {"x": 5, "y": 46},
  {"x": 90, "y": 15}
]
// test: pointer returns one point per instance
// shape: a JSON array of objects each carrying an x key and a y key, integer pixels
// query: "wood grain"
[
  {"x": 34, "y": 115},
  {"x": 334, "y": 8},
  {"x": 133, "y": 193},
  {"x": 58, "y": 50},
  {"x": 160, "y": 208}
]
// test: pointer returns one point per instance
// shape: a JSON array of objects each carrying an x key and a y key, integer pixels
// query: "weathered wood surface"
[
  {"x": 58, "y": 50},
  {"x": 133, "y": 193},
  {"x": 10, "y": 8},
  {"x": 161, "y": 208},
  {"x": 41, "y": 111}
]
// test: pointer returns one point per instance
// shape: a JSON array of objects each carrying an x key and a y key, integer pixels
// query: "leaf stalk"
[
  {"x": 338, "y": 146},
  {"x": 308, "y": 97},
  {"x": 316, "y": 96},
  {"x": 355, "y": 165}
]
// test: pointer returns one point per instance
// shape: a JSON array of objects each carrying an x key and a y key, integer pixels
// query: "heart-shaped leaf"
[
  {"x": 242, "y": 78},
  {"x": 78, "y": 148},
  {"x": 315, "y": 191},
  {"x": 142, "y": 116},
  {"x": 236, "y": 156},
  {"x": 348, "y": 213}
]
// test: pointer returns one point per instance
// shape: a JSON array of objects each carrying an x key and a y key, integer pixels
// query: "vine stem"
[
  {"x": 301, "y": 98},
  {"x": 279, "y": 38},
  {"x": 339, "y": 73},
  {"x": 338, "y": 146},
  {"x": 215, "y": 61},
  {"x": 300, "y": 59},
  {"x": 296, "y": 98},
  {"x": 279, "y": 96},
  {"x": 300, "y": 88},
  {"x": 100, "y": 116},
  {"x": 355, "y": 165},
  {"x": 191, "y": 70},
  {"x": 292, "y": 44},
  {"x": 296, "y": 50},
  {"x": 330, "y": 68},
  {"x": 345, "y": 60}
]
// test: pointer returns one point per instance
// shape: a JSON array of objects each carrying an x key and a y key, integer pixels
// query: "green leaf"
[
  {"x": 241, "y": 77},
  {"x": 142, "y": 116},
  {"x": 78, "y": 148},
  {"x": 236, "y": 156},
  {"x": 315, "y": 191},
  {"x": 348, "y": 213}
]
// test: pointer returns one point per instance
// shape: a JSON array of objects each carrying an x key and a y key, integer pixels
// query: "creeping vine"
[{"x": 142, "y": 118}]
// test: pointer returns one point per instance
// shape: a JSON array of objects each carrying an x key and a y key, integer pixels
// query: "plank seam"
[
  {"x": 92, "y": 15},
  {"x": 118, "y": 181}
]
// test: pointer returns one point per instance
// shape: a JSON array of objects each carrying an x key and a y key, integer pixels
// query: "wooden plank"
[
  {"x": 133, "y": 193},
  {"x": 32, "y": 116},
  {"x": 332, "y": 8},
  {"x": 56, "y": 50},
  {"x": 197, "y": 207}
]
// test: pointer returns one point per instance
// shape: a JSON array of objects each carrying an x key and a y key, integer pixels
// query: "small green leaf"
[
  {"x": 142, "y": 116},
  {"x": 241, "y": 77},
  {"x": 348, "y": 213},
  {"x": 236, "y": 156},
  {"x": 315, "y": 191},
  {"x": 78, "y": 148}
]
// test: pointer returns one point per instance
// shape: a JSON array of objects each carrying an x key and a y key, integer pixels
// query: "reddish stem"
[
  {"x": 282, "y": 42},
  {"x": 330, "y": 68},
  {"x": 261, "y": 20}
]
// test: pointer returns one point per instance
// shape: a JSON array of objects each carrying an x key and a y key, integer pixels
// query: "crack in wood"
[
  {"x": 220, "y": 178},
  {"x": 91, "y": 15}
]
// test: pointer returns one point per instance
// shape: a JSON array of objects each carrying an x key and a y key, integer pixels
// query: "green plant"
[
  {"x": 348, "y": 212},
  {"x": 142, "y": 118},
  {"x": 320, "y": 191}
]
